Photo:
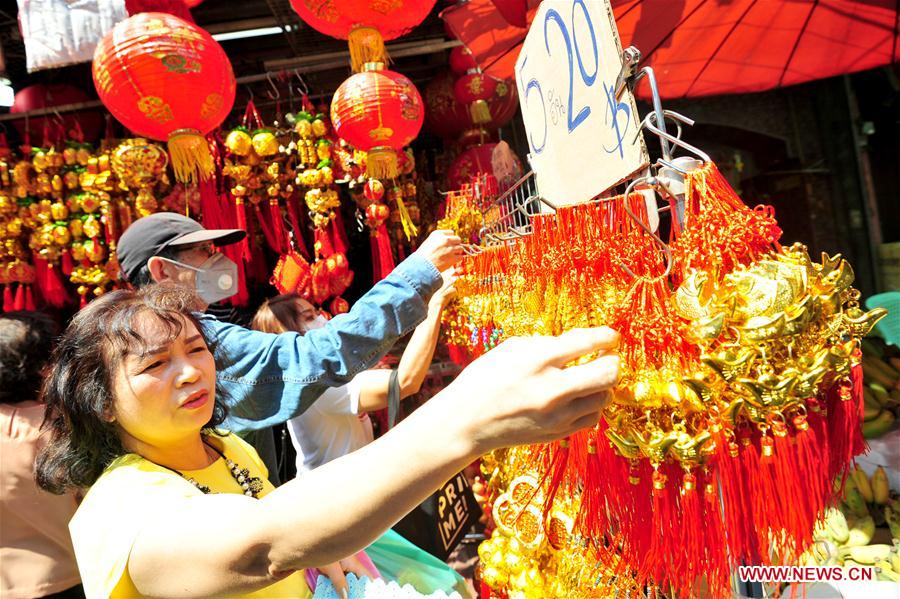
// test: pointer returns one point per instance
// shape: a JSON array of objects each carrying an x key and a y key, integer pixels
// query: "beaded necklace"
[{"x": 251, "y": 485}]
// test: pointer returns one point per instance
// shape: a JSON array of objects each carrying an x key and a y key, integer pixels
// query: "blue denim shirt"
[{"x": 268, "y": 379}]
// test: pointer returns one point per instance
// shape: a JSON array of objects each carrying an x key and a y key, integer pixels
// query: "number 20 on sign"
[{"x": 582, "y": 139}]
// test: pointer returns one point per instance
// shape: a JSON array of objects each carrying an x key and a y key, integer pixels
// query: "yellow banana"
[
  {"x": 866, "y": 555},
  {"x": 861, "y": 532},
  {"x": 863, "y": 484},
  {"x": 880, "y": 490},
  {"x": 886, "y": 575},
  {"x": 836, "y": 525},
  {"x": 895, "y": 561}
]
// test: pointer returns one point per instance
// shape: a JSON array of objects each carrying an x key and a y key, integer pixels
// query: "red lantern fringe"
[
  {"x": 50, "y": 283},
  {"x": 8, "y": 298}
]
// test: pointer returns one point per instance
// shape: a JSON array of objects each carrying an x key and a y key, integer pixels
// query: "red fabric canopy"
[{"x": 710, "y": 47}]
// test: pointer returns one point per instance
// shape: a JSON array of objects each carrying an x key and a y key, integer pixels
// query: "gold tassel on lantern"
[
  {"x": 381, "y": 163},
  {"x": 191, "y": 159},
  {"x": 480, "y": 111},
  {"x": 366, "y": 45},
  {"x": 409, "y": 228}
]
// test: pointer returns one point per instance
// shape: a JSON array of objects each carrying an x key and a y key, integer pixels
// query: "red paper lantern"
[
  {"x": 378, "y": 111},
  {"x": 364, "y": 23},
  {"x": 34, "y": 97},
  {"x": 482, "y": 160},
  {"x": 503, "y": 104},
  {"x": 444, "y": 116},
  {"x": 193, "y": 3},
  {"x": 461, "y": 60},
  {"x": 473, "y": 90},
  {"x": 166, "y": 79},
  {"x": 373, "y": 190}
]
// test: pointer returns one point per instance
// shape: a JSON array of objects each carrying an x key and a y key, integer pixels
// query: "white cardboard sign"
[{"x": 582, "y": 140}]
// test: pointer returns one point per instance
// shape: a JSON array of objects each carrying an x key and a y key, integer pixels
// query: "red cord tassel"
[
  {"x": 382, "y": 259},
  {"x": 49, "y": 281},
  {"x": 19, "y": 301},
  {"x": 556, "y": 473},
  {"x": 338, "y": 233},
  {"x": 8, "y": 298},
  {"x": 29, "y": 299}
]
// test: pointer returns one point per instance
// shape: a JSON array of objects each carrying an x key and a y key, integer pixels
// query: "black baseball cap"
[{"x": 152, "y": 234}]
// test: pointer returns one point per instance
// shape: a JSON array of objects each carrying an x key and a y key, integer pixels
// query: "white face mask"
[
  {"x": 216, "y": 278},
  {"x": 316, "y": 323}
]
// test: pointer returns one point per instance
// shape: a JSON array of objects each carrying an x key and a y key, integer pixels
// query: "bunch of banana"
[
  {"x": 881, "y": 367},
  {"x": 845, "y": 535}
]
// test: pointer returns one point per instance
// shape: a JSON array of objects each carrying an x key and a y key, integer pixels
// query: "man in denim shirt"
[{"x": 268, "y": 379}]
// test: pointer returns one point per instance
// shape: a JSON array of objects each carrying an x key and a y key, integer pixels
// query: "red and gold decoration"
[
  {"x": 81, "y": 126},
  {"x": 166, "y": 79},
  {"x": 474, "y": 90},
  {"x": 378, "y": 111},
  {"x": 741, "y": 382},
  {"x": 364, "y": 23},
  {"x": 63, "y": 209}
]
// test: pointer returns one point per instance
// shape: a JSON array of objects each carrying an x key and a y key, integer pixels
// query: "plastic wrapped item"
[
  {"x": 374, "y": 589},
  {"x": 59, "y": 33}
]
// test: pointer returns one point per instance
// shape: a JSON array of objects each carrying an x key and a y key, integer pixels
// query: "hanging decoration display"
[
  {"x": 447, "y": 117},
  {"x": 62, "y": 211},
  {"x": 378, "y": 111},
  {"x": 365, "y": 24},
  {"x": 281, "y": 175},
  {"x": 741, "y": 379},
  {"x": 166, "y": 79}
]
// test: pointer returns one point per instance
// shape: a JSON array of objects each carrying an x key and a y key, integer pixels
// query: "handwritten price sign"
[{"x": 581, "y": 137}]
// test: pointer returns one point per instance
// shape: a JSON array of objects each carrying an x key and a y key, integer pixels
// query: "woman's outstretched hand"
[{"x": 523, "y": 391}]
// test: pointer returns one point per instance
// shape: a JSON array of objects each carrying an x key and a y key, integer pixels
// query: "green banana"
[
  {"x": 892, "y": 517},
  {"x": 881, "y": 491},
  {"x": 871, "y": 410},
  {"x": 855, "y": 501},
  {"x": 836, "y": 525},
  {"x": 866, "y": 555},
  {"x": 879, "y": 393},
  {"x": 879, "y": 425},
  {"x": 861, "y": 532}
]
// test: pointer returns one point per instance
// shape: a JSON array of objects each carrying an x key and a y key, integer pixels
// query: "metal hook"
[
  {"x": 651, "y": 182},
  {"x": 274, "y": 94},
  {"x": 249, "y": 89},
  {"x": 303, "y": 88},
  {"x": 678, "y": 142},
  {"x": 657, "y": 107}
]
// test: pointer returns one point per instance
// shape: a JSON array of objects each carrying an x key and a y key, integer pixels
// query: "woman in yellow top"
[{"x": 176, "y": 509}]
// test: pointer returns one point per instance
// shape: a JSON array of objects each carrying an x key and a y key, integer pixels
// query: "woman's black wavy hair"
[{"x": 78, "y": 389}]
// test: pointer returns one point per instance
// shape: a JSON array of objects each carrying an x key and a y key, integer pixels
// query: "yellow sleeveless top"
[{"x": 108, "y": 521}]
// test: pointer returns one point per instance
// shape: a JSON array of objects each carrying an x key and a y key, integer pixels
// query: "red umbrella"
[{"x": 709, "y": 47}]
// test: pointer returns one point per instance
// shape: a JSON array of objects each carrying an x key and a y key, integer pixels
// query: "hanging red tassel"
[
  {"x": 19, "y": 301},
  {"x": 382, "y": 258},
  {"x": 338, "y": 233},
  {"x": 29, "y": 299},
  {"x": 8, "y": 298},
  {"x": 66, "y": 263},
  {"x": 322, "y": 245},
  {"x": 49, "y": 282},
  {"x": 279, "y": 234},
  {"x": 240, "y": 211},
  {"x": 555, "y": 473}
]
